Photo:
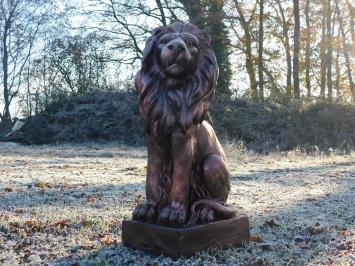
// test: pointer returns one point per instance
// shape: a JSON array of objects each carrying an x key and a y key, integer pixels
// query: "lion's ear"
[
  {"x": 149, "y": 44},
  {"x": 206, "y": 35}
]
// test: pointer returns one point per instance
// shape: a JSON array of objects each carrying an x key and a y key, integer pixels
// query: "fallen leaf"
[
  {"x": 271, "y": 223},
  {"x": 86, "y": 244},
  {"x": 87, "y": 222},
  {"x": 316, "y": 230},
  {"x": 344, "y": 232},
  {"x": 43, "y": 185},
  {"x": 302, "y": 241},
  {"x": 106, "y": 240},
  {"x": 29, "y": 222},
  {"x": 255, "y": 238},
  {"x": 61, "y": 223},
  {"x": 19, "y": 211},
  {"x": 90, "y": 199},
  {"x": 9, "y": 189}
]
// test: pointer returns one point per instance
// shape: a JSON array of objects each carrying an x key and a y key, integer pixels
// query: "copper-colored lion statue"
[{"x": 187, "y": 176}]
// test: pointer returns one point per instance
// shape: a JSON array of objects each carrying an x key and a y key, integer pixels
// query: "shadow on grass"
[
  {"x": 77, "y": 196},
  {"x": 76, "y": 152},
  {"x": 285, "y": 170},
  {"x": 292, "y": 220}
]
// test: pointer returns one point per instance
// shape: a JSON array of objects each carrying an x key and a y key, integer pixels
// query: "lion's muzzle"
[{"x": 176, "y": 56}]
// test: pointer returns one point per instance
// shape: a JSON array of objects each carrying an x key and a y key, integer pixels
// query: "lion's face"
[
  {"x": 177, "y": 53},
  {"x": 177, "y": 78}
]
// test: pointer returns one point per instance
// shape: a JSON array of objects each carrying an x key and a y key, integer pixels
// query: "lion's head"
[{"x": 177, "y": 79}]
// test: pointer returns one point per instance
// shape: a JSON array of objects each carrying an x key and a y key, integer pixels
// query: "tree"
[
  {"x": 209, "y": 15},
  {"x": 249, "y": 64},
  {"x": 346, "y": 53},
  {"x": 308, "y": 50},
  {"x": 127, "y": 24},
  {"x": 20, "y": 21},
  {"x": 285, "y": 39},
  {"x": 195, "y": 11},
  {"x": 296, "y": 50},
  {"x": 221, "y": 45},
  {"x": 323, "y": 64},
  {"x": 261, "y": 42},
  {"x": 352, "y": 23},
  {"x": 329, "y": 49}
]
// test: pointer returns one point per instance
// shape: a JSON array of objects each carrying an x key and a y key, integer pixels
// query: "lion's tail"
[{"x": 221, "y": 211}]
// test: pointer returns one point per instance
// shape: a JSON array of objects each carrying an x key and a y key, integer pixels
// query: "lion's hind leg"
[
  {"x": 215, "y": 184},
  {"x": 215, "y": 174}
]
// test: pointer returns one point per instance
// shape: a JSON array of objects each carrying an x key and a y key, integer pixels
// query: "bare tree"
[
  {"x": 20, "y": 21},
  {"x": 285, "y": 39},
  {"x": 352, "y": 24},
  {"x": 296, "y": 50},
  {"x": 345, "y": 50},
  {"x": 308, "y": 49},
  {"x": 261, "y": 43},
  {"x": 323, "y": 64},
  {"x": 329, "y": 49},
  {"x": 249, "y": 64},
  {"x": 337, "y": 65},
  {"x": 127, "y": 24}
]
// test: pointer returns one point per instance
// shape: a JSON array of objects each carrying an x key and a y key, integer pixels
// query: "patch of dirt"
[{"x": 65, "y": 204}]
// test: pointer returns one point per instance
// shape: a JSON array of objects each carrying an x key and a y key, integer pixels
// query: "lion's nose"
[{"x": 176, "y": 47}]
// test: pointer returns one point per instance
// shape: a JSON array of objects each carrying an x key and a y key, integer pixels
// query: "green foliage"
[
  {"x": 209, "y": 15},
  {"x": 221, "y": 46}
]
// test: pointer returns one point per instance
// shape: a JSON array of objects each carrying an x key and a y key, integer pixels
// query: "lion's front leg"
[
  {"x": 147, "y": 211},
  {"x": 182, "y": 154}
]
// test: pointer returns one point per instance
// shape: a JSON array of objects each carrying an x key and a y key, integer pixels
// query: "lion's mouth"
[{"x": 175, "y": 66}]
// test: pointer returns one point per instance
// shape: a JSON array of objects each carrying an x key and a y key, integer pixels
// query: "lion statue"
[{"x": 187, "y": 180}]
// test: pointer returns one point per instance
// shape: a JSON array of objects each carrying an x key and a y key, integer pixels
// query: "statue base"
[{"x": 185, "y": 242}]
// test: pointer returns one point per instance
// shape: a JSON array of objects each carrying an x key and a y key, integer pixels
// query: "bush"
[
  {"x": 262, "y": 127},
  {"x": 93, "y": 117},
  {"x": 266, "y": 126}
]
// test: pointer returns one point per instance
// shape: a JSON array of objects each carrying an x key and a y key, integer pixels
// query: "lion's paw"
[
  {"x": 145, "y": 212},
  {"x": 202, "y": 216},
  {"x": 174, "y": 216}
]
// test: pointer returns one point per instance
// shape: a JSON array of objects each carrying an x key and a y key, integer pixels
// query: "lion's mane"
[{"x": 167, "y": 103}]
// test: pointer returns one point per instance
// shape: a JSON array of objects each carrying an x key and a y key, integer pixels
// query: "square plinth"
[{"x": 185, "y": 242}]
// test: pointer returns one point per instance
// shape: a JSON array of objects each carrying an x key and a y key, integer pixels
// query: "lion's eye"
[{"x": 190, "y": 43}]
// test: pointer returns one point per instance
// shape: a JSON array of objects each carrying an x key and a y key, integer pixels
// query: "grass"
[{"x": 64, "y": 205}]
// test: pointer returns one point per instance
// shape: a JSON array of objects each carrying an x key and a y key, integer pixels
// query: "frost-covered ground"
[{"x": 65, "y": 204}]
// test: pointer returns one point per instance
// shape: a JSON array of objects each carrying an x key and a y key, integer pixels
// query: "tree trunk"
[
  {"x": 352, "y": 25},
  {"x": 6, "y": 117},
  {"x": 287, "y": 50},
  {"x": 330, "y": 50},
  {"x": 308, "y": 51},
  {"x": 296, "y": 50},
  {"x": 261, "y": 43},
  {"x": 323, "y": 66},
  {"x": 337, "y": 72},
  {"x": 194, "y": 10},
  {"x": 249, "y": 64},
  {"x": 346, "y": 54},
  {"x": 161, "y": 10}
]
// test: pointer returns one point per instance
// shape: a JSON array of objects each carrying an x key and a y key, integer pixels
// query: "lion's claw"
[
  {"x": 206, "y": 216},
  {"x": 171, "y": 216},
  {"x": 202, "y": 216},
  {"x": 144, "y": 212}
]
